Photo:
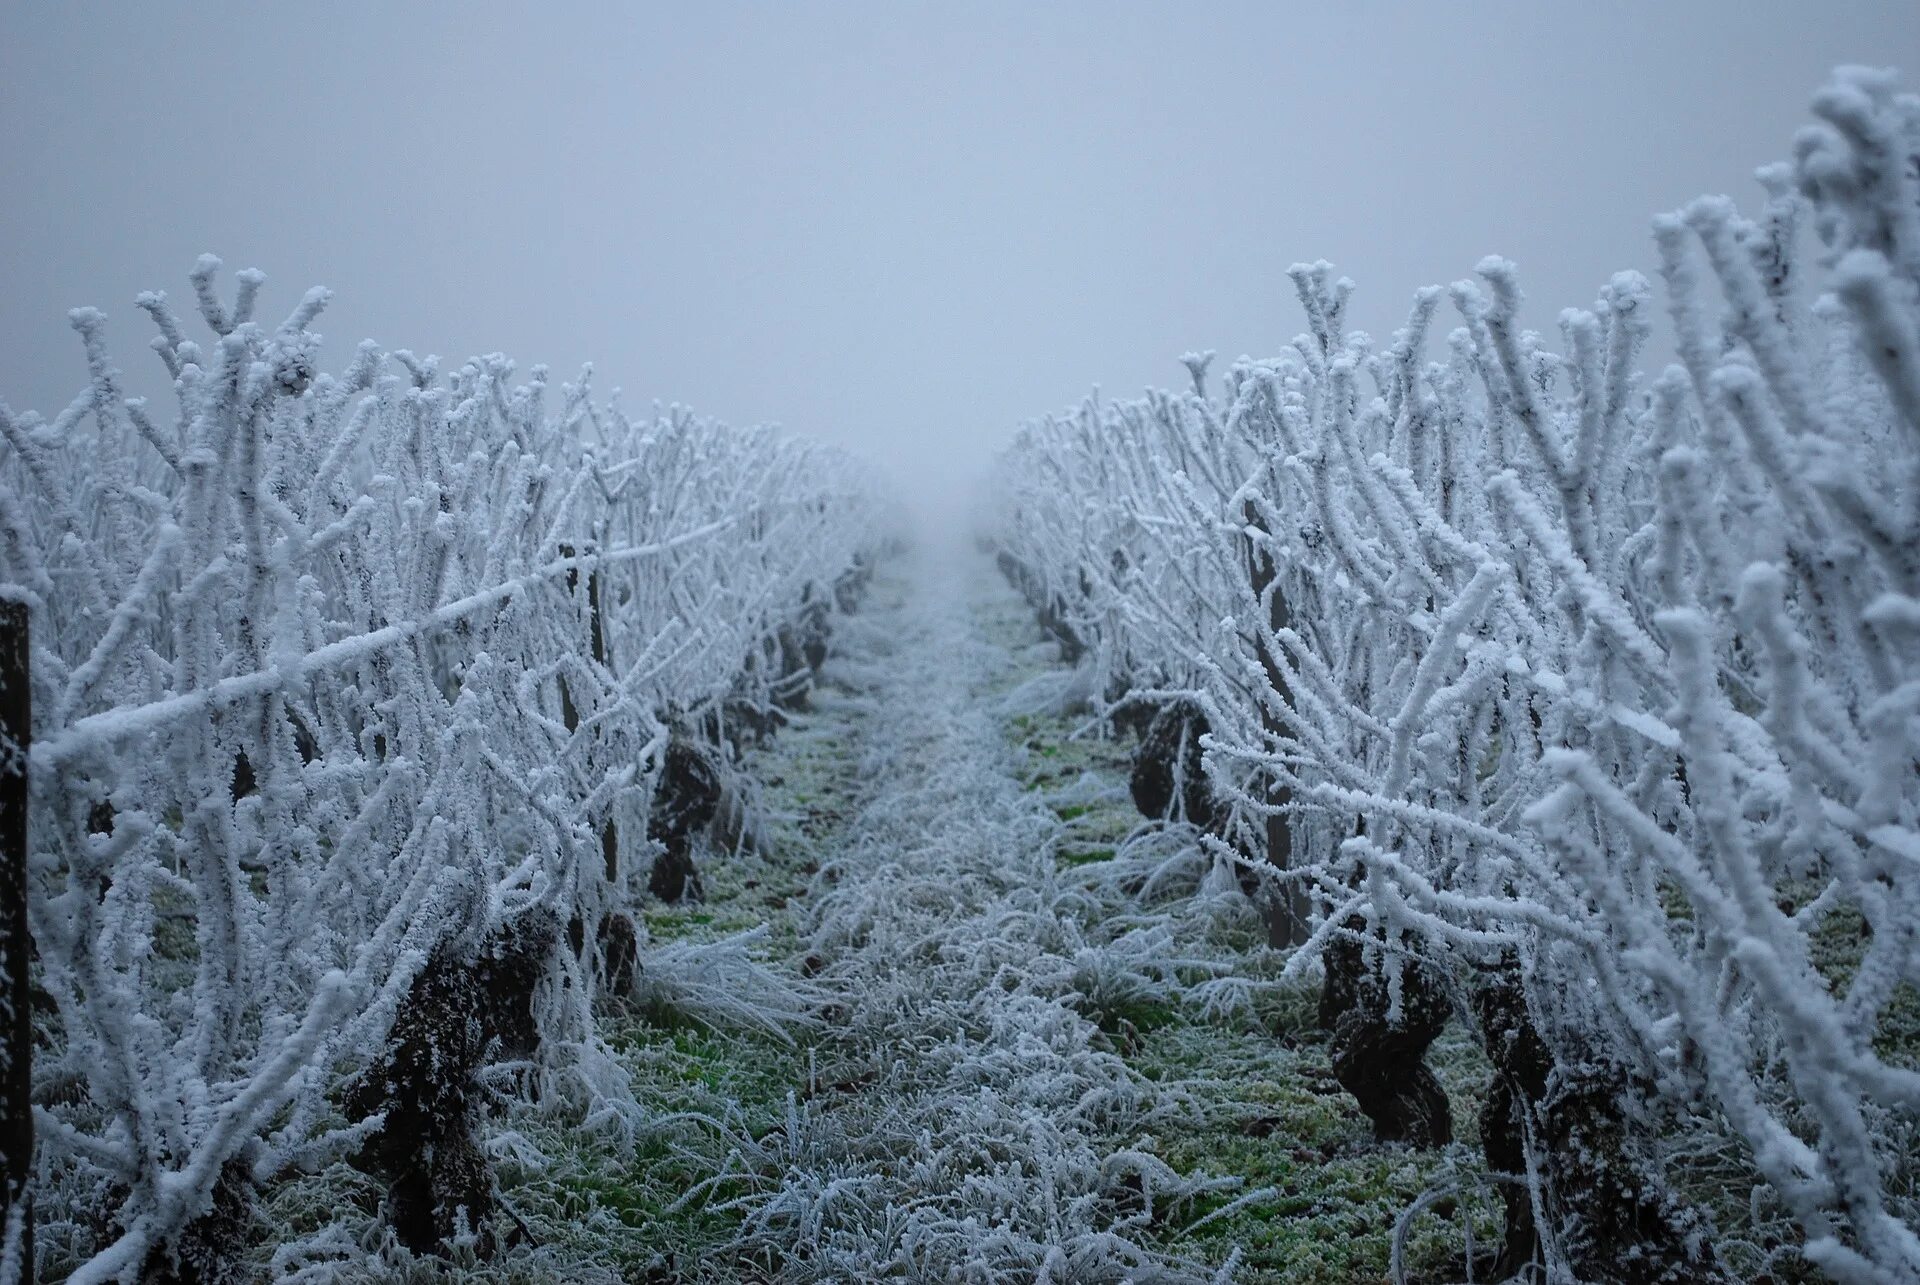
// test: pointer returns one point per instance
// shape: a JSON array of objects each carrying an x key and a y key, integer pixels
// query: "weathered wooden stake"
[
  {"x": 16, "y": 1007},
  {"x": 1289, "y": 913}
]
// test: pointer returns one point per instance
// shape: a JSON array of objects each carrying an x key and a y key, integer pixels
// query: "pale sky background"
[{"x": 902, "y": 227}]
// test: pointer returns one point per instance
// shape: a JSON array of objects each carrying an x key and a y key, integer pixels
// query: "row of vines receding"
[
  {"x": 1578, "y": 702},
  {"x": 366, "y": 708}
]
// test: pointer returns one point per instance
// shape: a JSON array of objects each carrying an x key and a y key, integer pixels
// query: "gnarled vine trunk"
[
  {"x": 1169, "y": 782},
  {"x": 208, "y": 1249},
  {"x": 427, "y": 1149},
  {"x": 685, "y": 799},
  {"x": 1611, "y": 1214},
  {"x": 1379, "y": 1056},
  {"x": 465, "y": 1008}
]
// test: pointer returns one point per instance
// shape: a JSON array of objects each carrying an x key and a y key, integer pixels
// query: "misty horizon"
[
  {"x": 903, "y": 232},
  {"x": 1424, "y": 804}
]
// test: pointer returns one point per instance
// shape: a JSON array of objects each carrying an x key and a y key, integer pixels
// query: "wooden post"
[
  {"x": 597, "y": 640},
  {"x": 16, "y": 1006},
  {"x": 1289, "y": 916}
]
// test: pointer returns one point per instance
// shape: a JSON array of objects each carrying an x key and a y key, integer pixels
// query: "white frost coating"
[
  {"x": 981, "y": 1144},
  {"x": 1617, "y": 677},
  {"x": 318, "y": 691}
]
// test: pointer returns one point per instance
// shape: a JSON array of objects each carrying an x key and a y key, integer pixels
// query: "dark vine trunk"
[
  {"x": 511, "y": 969},
  {"x": 619, "y": 942},
  {"x": 675, "y": 878},
  {"x": 1048, "y": 607},
  {"x": 1614, "y": 1216},
  {"x": 464, "y": 1009},
  {"x": 746, "y": 723},
  {"x": 1380, "y": 1057},
  {"x": 684, "y": 800},
  {"x": 793, "y": 686},
  {"x": 851, "y": 587},
  {"x": 815, "y": 628},
  {"x": 1169, "y": 780},
  {"x": 1128, "y": 717},
  {"x": 1521, "y": 1065},
  {"x": 427, "y": 1150},
  {"x": 207, "y": 1252}
]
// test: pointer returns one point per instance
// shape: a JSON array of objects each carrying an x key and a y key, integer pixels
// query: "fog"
[{"x": 902, "y": 228}]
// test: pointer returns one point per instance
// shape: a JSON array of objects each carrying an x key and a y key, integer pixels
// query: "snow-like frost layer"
[{"x": 984, "y": 1134}]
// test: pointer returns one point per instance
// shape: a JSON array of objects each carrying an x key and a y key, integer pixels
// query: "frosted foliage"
[
  {"x": 331, "y": 672},
  {"x": 1617, "y": 676}
]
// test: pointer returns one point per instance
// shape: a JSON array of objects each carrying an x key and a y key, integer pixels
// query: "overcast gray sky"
[{"x": 902, "y": 227}]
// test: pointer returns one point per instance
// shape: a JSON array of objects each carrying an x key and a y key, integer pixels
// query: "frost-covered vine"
[
  {"x": 339, "y": 680},
  {"x": 1571, "y": 679}
]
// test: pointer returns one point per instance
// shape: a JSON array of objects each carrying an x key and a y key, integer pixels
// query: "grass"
[
  {"x": 1318, "y": 1199},
  {"x": 1084, "y": 857},
  {"x": 1273, "y": 1115},
  {"x": 1838, "y": 947},
  {"x": 1268, "y": 1109},
  {"x": 626, "y": 1210}
]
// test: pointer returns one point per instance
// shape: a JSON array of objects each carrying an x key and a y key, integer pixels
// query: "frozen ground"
[{"x": 1013, "y": 1036}]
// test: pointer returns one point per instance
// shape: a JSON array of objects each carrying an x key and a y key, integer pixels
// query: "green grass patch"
[
  {"x": 1086, "y": 858},
  {"x": 1273, "y": 1116}
]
